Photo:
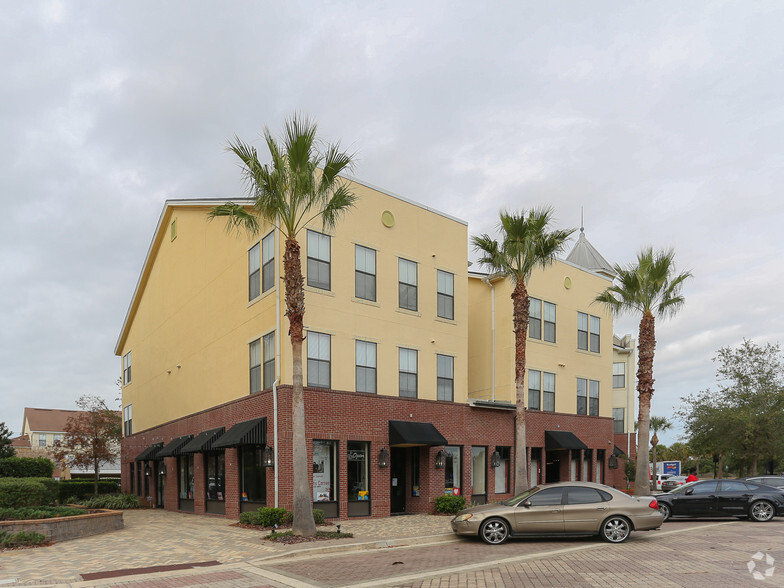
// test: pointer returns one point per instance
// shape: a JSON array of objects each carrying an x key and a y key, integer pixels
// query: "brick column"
[
  {"x": 232, "y": 497},
  {"x": 199, "y": 491},
  {"x": 170, "y": 501}
]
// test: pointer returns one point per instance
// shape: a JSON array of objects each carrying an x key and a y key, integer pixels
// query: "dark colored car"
[
  {"x": 673, "y": 482},
  {"x": 561, "y": 509},
  {"x": 723, "y": 498},
  {"x": 775, "y": 481}
]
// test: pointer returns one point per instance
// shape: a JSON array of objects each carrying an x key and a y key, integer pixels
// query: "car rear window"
[{"x": 582, "y": 495}]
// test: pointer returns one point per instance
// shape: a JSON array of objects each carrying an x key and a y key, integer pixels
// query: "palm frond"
[{"x": 238, "y": 218}]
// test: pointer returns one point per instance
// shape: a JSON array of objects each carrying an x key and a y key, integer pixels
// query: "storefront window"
[
  {"x": 325, "y": 471},
  {"x": 185, "y": 476},
  {"x": 216, "y": 475},
  {"x": 453, "y": 477},
  {"x": 479, "y": 470},
  {"x": 502, "y": 471},
  {"x": 358, "y": 470},
  {"x": 253, "y": 485},
  {"x": 139, "y": 479},
  {"x": 133, "y": 478}
]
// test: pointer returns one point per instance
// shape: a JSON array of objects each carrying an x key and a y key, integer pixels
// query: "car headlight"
[{"x": 462, "y": 518}]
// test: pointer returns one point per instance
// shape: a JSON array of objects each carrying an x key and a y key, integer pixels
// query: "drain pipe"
[{"x": 486, "y": 280}]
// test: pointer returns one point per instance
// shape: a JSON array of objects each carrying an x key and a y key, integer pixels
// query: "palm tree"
[
  {"x": 657, "y": 424},
  {"x": 648, "y": 287},
  {"x": 525, "y": 244},
  {"x": 301, "y": 184}
]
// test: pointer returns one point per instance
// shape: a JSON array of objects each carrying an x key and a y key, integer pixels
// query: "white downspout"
[
  {"x": 486, "y": 280},
  {"x": 277, "y": 380}
]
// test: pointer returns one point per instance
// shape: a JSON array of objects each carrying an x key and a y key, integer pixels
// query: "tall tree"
[
  {"x": 526, "y": 242},
  {"x": 6, "y": 449},
  {"x": 92, "y": 437},
  {"x": 301, "y": 184},
  {"x": 657, "y": 424},
  {"x": 649, "y": 287}
]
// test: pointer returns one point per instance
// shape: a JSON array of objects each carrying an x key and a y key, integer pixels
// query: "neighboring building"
[{"x": 395, "y": 416}]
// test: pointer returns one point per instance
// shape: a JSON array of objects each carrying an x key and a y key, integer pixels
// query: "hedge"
[
  {"x": 38, "y": 512},
  {"x": 267, "y": 516},
  {"x": 21, "y": 538},
  {"x": 449, "y": 503},
  {"x": 21, "y": 492},
  {"x": 81, "y": 489},
  {"x": 118, "y": 502},
  {"x": 26, "y": 467}
]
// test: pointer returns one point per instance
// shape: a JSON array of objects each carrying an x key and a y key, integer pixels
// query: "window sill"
[
  {"x": 318, "y": 291},
  {"x": 261, "y": 296},
  {"x": 542, "y": 342},
  {"x": 408, "y": 312},
  {"x": 441, "y": 319},
  {"x": 367, "y": 302},
  {"x": 586, "y": 352}
]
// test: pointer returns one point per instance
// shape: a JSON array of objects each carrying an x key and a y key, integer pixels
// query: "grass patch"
[{"x": 22, "y": 539}]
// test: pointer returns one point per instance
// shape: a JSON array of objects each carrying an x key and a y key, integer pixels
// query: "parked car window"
[
  {"x": 547, "y": 497},
  {"x": 733, "y": 486},
  {"x": 581, "y": 495},
  {"x": 706, "y": 487},
  {"x": 752, "y": 486}
]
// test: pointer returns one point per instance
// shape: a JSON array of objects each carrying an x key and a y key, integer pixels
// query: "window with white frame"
[
  {"x": 582, "y": 396},
  {"x": 268, "y": 262},
  {"x": 534, "y": 389},
  {"x": 446, "y": 295},
  {"x": 594, "y": 334},
  {"x": 254, "y": 271},
  {"x": 366, "y": 367},
  {"x": 548, "y": 392},
  {"x": 408, "y": 372},
  {"x": 445, "y": 385},
  {"x": 127, "y": 368},
  {"x": 541, "y": 322},
  {"x": 618, "y": 419},
  {"x": 268, "y": 357},
  {"x": 588, "y": 331},
  {"x": 365, "y": 273},
  {"x": 56, "y": 438},
  {"x": 41, "y": 440},
  {"x": 128, "y": 420},
  {"x": 255, "y": 366},
  {"x": 407, "y": 284},
  {"x": 319, "y": 357},
  {"x": 319, "y": 260},
  {"x": 619, "y": 374},
  {"x": 593, "y": 397}
]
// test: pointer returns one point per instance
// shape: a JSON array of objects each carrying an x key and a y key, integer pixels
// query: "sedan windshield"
[{"x": 516, "y": 499}]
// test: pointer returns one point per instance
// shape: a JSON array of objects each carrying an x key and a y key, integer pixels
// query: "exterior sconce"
[
  {"x": 162, "y": 471},
  {"x": 612, "y": 463},
  {"x": 269, "y": 457},
  {"x": 147, "y": 470},
  {"x": 383, "y": 458},
  {"x": 440, "y": 459},
  {"x": 495, "y": 459}
]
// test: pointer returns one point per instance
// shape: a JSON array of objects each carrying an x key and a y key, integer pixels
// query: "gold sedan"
[{"x": 561, "y": 509}]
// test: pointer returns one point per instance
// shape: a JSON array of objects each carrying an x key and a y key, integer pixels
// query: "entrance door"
[
  {"x": 397, "y": 470},
  {"x": 553, "y": 471}
]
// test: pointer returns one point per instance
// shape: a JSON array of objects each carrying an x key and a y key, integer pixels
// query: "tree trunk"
[
  {"x": 647, "y": 345},
  {"x": 95, "y": 482},
  {"x": 303, "y": 523},
  {"x": 654, "y": 483},
  {"x": 754, "y": 459},
  {"x": 521, "y": 305}
]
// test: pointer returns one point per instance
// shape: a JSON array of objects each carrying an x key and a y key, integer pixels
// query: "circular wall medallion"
[
  {"x": 388, "y": 219},
  {"x": 567, "y": 282}
]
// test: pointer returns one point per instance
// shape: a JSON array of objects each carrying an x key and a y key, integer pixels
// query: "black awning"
[
  {"x": 617, "y": 451},
  {"x": 406, "y": 433},
  {"x": 174, "y": 447},
  {"x": 204, "y": 441},
  {"x": 562, "y": 440},
  {"x": 151, "y": 453},
  {"x": 252, "y": 432}
]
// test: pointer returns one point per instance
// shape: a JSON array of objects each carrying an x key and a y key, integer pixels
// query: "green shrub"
[
  {"x": 84, "y": 488},
  {"x": 318, "y": 516},
  {"x": 114, "y": 502},
  {"x": 21, "y": 538},
  {"x": 26, "y": 467},
  {"x": 450, "y": 504},
  {"x": 266, "y": 517},
  {"x": 21, "y": 492},
  {"x": 38, "y": 512}
]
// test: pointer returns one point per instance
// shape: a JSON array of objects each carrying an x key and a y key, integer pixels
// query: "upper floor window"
[
  {"x": 319, "y": 260},
  {"x": 407, "y": 284},
  {"x": 128, "y": 420},
  {"x": 365, "y": 273},
  {"x": 254, "y": 271},
  {"x": 593, "y": 397},
  {"x": 587, "y": 397},
  {"x": 541, "y": 322},
  {"x": 268, "y": 357},
  {"x": 41, "y": 440},
  {"x": 446, "y": 295},
  {"x": 548, "y": 392},
  {"x": 619, "y": 374},
  {"x": 588, "y": 329},
  {"x": 255, "y": 366},
  {"x": 618, "y": 419},
  {"x": 408, "y": 372},
  {"x": 127, "y": 368},
  {"x": 319, "y": 360},
  {"x": 366, "y": 367},
  {"x": 56, "y": 438},
  {"x": 268, "y": 262},
  {"x": 541, "y": 390},
  {"x": 445, "y": 383}
]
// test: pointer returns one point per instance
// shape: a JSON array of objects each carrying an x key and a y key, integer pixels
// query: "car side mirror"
[
  {"x": 689, "y": 492},
  {"x": 527, "y": 503}
]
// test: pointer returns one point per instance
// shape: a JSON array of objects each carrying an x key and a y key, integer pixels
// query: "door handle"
[
  {"x": 601, "y": 508},
  {"x": 556, "y": 510}
]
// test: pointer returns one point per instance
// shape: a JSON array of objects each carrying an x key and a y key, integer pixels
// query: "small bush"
[
  {"x": 114, "y": 502},
  {"x": 21, "y": 492},
  {"x": 266, "y": 517},
  {"x": 26, "y": 467},
  {"x": 38, "y": 512},
  {"x": 21, "y": 538},
  {"x": 450, "y": 504},
  {"x": 318, "y": 516},
  {"x": 84, "y": 488}
]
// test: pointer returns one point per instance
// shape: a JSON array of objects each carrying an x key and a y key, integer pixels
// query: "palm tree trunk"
[
  {"x": 521, "y": 305},
  {"x": 647, "y": 339},
  {"x": 654, "y": 483},
  {"x": 303, "y": 523}
]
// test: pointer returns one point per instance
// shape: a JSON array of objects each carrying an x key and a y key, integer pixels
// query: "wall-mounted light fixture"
[
  {"x": 613, "y": 462},
  {"x": 147, "y": 470},
  {"x": 440, "y": 459},
  {"x": 269, "y": 457},
  {"x": 162, "y": 471},
  {"x": 495, "y": 459},
  {"x": 383, "y": 458}
]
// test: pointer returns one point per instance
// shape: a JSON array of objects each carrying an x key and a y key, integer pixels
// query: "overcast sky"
[{"x": 664, "y": 120}]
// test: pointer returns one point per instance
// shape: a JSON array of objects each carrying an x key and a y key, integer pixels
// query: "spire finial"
[{"x": 582, "y": 220}]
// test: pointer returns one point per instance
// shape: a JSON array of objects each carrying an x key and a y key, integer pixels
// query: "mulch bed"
[{"x": 283, "y": 537}]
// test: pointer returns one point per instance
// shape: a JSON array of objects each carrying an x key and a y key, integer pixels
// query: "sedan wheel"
[
  {"x": 761, "y": 511},
  {"x": 494, "y": 531},
  {"x": 665, "y": 510},
  {"x": 616, "y": 530}
]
